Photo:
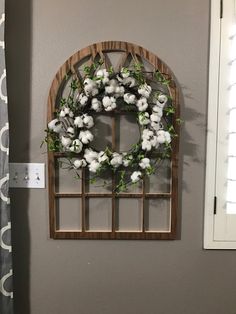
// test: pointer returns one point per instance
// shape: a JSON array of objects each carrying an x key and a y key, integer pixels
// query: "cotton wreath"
[{"x": 102, "y": 90}]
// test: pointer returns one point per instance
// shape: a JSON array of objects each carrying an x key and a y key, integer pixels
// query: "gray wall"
[{"x": 112, "y": 277}]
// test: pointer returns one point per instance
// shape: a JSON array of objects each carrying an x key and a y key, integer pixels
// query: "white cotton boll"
[
  {"x": 88, "y": 121},
  {"x": 96, "y": 105},
  {"x": 71, "y": 131},
  {"x": 66, "y": 111},
  {"x": 52, "y": 124},
  {"x": 142, "y": 104},
  {"x": 78, "y": 163},
  {"x": 103, "y": 75},
  {"x": 144, "y": 163},
  {"x": 94, "y": 166},
  {"x": 127, "y": 159},
  {"x": 158, "y": 111},
  {"x": 146, "y": 145},
  {"x": 163, "y": 136},
  {"x": 119, "y": 91},
  {"x": 90, "y": 155},
  {"x": 116, "y": 160},
  {"x": 129, "y": 98},
  {"x": 99, "y": 73},
  {"x": 144, "y": 118},
  {"x": 155, "y": 125},
  {"x": 129, "y": 81},
  {"x": 78, "y": 122},
  {"x": 105, "y": 80},
  {"x": 110, "y": 108},
  {"x": 85, "y": 137},
  {"x": 136, "y": 176},
  {"x": 124, "y": 72},
  {"x": 71, "y": 114},
  {"x": 76, "y": 146},
  {"x": 89, "y": 136},
  {"x": 145, "y": 90},
  {"x": 168, "y": 137},
  {"x": 55, "y": 126},
  {"x": 126, "y": 162},
  {"x": 120, "y": 79},
  {"x": 147, "y": 134},
  {"x": 102, "y": 156},
  {"x": 155, "y": 117},
  {"x": 161, "y": 139},
  {"x": 58, "y": 128},
  {"x": 62, "y": 114},
  {"x": 87, "y": 81},
  {"x": 159, "y": 104},
  {"x": 162, "y": 99},
  {"x": 95, "y": 91},
  {"x": 106, "y": 101},
  {"x": 83, "y": 99},
  {"x": 90, "y": 87},
  {"x": 65, "y": 141},
  {"x": 113, "y": 82},
  {"x": 109, "y": 103},
  {"x": 154, "y": 142},
  {"x": 109, "y": 89}
]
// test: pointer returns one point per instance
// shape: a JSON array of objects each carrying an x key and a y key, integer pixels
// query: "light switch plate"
[{"x": 27, "y": 175}]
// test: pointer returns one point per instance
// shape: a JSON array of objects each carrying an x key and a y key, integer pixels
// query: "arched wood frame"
[{"x": 92, "y": 52}]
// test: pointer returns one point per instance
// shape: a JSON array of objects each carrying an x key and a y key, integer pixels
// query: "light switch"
[{"x": 27, "y": 175}]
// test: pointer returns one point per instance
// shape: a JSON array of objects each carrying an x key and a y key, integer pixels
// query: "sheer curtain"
[{"x": 6, "y": 294}]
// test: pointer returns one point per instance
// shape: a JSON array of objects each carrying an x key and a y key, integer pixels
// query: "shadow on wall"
[
  {"x": 187, "y": 147},
  {"x": 18, "y": 62}
]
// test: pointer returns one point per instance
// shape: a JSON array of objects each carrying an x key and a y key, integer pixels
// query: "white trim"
[
  {"x": 212, "y": 130},
  {"x": 212, "y": 123}
]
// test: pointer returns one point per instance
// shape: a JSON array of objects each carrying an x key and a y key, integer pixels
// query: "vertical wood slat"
[
  {"x": 95, "y": 51},
  {"x": 113, "y": 130},
  {"x": 51, "y": 190},
  {"x": 143, "y": 205},
  {"x": 83, "y": 200},
  {"x": 174, "y": 177}
]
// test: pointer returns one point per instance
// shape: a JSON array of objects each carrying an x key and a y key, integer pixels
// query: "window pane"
[
  {"x": 99, "y": 214},
  {"x": 157, "y": 215},
  {"x": 66, "y": 181},
  {"x": 232, "y": 144},
  {"x": 231, "y": 184},
  {"x": 232, "y": 120},
  {"x": 232, "y": 168},
  {"x": 102, "y": 132},
  {"x": 231, "y": 208},
  {"x": 129, "y": 214},
  {"x": 69, "y": 214},
  {"x": 127, "y": 132},
  {"x": 101, "y": 184},
  {"x": 231, "y": 197},
  {"x": 160, "y": 181}
]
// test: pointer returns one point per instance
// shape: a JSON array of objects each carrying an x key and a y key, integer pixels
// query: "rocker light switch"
[{"x": 27, "y": 175}]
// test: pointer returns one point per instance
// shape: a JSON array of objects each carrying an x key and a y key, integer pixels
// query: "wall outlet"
[{"x": 27, "y": 175}]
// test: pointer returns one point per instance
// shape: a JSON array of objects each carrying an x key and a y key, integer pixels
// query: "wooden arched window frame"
[{"x": 86, "y": 56}]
